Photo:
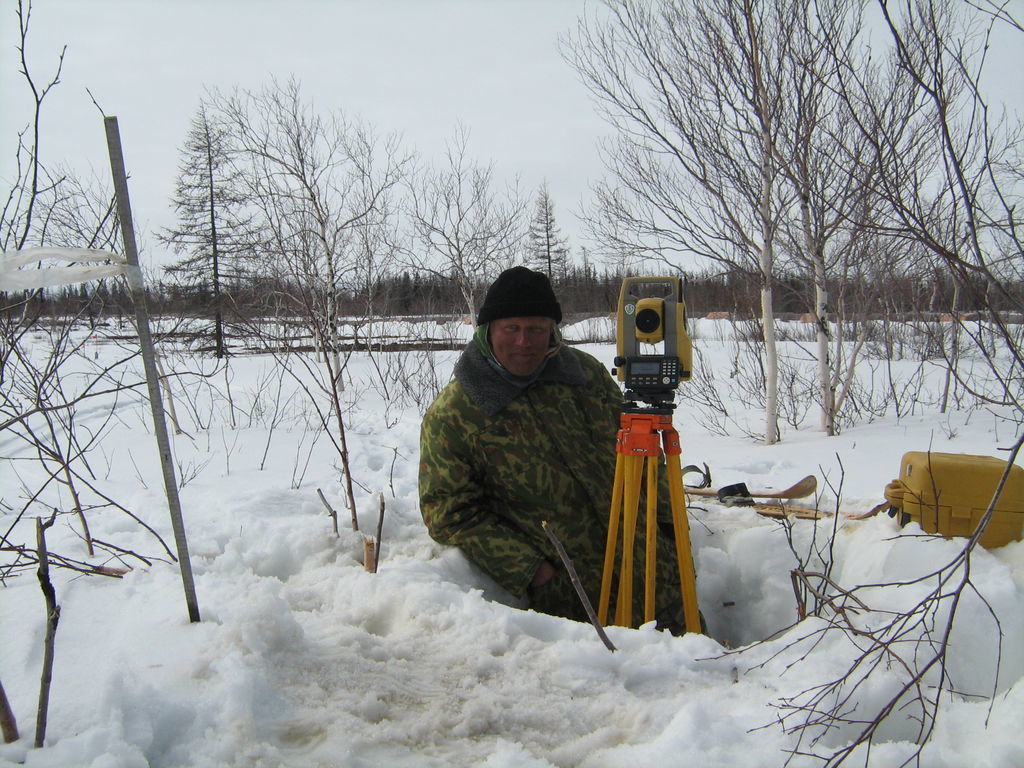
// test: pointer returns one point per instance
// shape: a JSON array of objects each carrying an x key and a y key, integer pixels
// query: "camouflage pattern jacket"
[{"x": 497, "y": 460}]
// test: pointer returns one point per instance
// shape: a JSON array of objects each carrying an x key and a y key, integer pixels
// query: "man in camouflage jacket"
[{"x": 525, "y": 433}]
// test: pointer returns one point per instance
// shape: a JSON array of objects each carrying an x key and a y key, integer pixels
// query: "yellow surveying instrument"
[{"x": 651, "y": 311}]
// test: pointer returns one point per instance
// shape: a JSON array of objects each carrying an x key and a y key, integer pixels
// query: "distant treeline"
[{"x": 581, "y": 291}]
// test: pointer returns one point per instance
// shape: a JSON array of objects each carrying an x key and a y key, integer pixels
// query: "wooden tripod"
[{"x": 637, "y": 446}]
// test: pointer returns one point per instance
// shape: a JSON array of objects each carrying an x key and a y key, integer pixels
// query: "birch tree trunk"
[
  {"x": 766, "y": 119},
  {"x": 821, "y": 324}
]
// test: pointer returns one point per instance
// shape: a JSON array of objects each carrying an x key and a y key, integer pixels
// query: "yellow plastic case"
[{"x": 948, "y": 493}]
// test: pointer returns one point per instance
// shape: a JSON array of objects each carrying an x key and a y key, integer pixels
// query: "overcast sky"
[{"x": 419, "y": 68}]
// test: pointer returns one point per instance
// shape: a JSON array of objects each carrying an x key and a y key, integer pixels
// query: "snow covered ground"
[{"x": 303, "y": 658}]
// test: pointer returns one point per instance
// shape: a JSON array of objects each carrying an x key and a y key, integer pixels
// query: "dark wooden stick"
[
  {"x": 380, "y": 532},
  {"x": 330, "y": 511},
  {"x": 8, "y": 725},
  {"x": 578, "y": 586},
  {"x": 52, "y": 617}
]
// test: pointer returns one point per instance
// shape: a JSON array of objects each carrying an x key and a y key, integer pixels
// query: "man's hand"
[{"x": 545, "y": 572}]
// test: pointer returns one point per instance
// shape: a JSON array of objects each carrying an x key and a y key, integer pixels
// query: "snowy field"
[{"x": 303, "y": 658}]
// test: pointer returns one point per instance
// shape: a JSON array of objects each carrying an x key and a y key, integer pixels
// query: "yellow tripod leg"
[
  {"x": 687, "y": 573},
  {"x": 614, "y": 514},
  {"x": 651, "y": 538},
  {"x": 631, "y": 504}
]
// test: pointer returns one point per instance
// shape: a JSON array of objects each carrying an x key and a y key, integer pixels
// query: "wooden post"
[
  {"x": 138, "y": 291},
  {"x": 578, "y": 586},
  {"x": 8, "y": 723},
  {"x": 52, "y": 617},
  {"x": 380, "y": 534}
]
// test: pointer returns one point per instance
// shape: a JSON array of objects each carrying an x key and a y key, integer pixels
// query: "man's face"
[{"x": 520, "y": 343}]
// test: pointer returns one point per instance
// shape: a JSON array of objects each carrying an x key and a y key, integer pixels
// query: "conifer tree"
[
  {"x": 548, "y": 250},
  {"x": 211, "y": 224}
]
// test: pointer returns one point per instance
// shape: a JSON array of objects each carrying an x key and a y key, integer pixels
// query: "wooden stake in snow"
[
  {"x": 371, "y": 547},
  {"x": 52, "y": 617},
  {"x": 8, "y": 724},
  {"x": 380, "y": 532},
  {"x": 330, "y": 511},
  {"x": 138, "y": 291},
  {"x": 369, "y": 554},
  {"x": 580, "y": 592}
]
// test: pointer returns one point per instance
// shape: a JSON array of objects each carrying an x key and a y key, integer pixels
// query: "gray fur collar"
[{"x": 491, "y": 393}]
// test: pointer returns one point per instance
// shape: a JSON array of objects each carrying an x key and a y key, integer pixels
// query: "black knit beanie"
[{"x": 519, "y": 292}]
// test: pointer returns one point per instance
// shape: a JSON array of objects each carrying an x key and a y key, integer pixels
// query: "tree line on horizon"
[{"x": 582, "y": 291}]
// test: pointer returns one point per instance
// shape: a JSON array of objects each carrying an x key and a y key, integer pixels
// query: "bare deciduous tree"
[
  {"x": 463, "y": 229},
  {"x": 321, "y": 190},
  {"x": 18, "y": 219},
  {"x": 826, "y": 164},
  {"x": 47, "y": 378},
  {"x": 948, "y": 176},
  {"x": 694, "y": 93}
]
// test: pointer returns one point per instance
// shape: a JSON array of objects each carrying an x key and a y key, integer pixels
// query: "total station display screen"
[{"x": 645, "y": 369}]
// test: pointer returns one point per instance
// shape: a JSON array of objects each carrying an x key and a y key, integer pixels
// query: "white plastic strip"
[{"x": 13, "y": 276}]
